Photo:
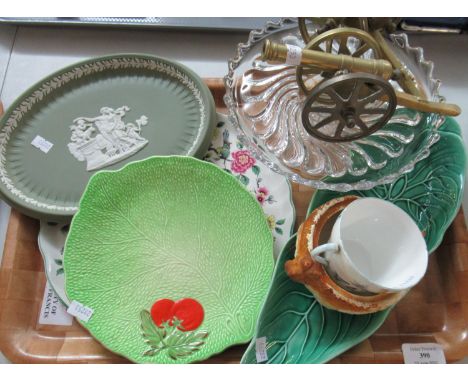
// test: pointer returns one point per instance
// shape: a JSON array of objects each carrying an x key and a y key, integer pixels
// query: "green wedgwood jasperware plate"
[
  {"x": 431, "y": 194},
  {"x": 98, "y": 114},
  {"x": 174, "y": 256},
  {"x": 297, "y": 329}
]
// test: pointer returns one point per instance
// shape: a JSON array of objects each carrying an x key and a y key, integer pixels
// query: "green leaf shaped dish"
[
  {"x": 431, "y": 194},
  {"x": 300, "y": 330},
  {"x": 173, "y": 255},
  {"x": 297, "y": 328}
]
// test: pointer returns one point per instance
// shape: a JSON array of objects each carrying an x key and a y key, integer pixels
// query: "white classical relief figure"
[{"x": 106, "y": 139}]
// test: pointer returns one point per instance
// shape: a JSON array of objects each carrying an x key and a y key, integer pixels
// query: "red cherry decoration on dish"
[
  {"x": 189, "y": 312},
  {"x": 161, "y": 311}
]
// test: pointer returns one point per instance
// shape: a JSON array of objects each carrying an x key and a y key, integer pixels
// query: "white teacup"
[{"x": 374, "y": 247}]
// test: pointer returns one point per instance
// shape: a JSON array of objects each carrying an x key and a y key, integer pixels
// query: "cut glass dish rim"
[{"x": 401, "y": 41}]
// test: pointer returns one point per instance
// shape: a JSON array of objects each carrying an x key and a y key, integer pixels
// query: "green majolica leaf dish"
[
  {"x": 297, "y": 329},
  {"x": 300, "y": 330},
  {"x": 174, "y": 256},
  {"x": 431, "y": 193}
]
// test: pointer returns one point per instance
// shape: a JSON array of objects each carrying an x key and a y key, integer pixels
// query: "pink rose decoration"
[
  {"x": 242, "y": 161},
  {"x": 263, "y": 190},
  {"x": 261, "y": 195}
]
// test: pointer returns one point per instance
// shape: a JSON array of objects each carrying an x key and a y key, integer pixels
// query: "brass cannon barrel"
[
  {"x": 383, "y": 68},
  {"x": 281, "y": 52},
  {"x": 413, "y": 102}
]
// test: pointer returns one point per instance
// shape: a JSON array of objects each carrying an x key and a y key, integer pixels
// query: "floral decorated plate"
[
  {"x": 271, "y": 190},
  {"x": 96, "y": 114},
  {"x": 173, "y": 255}
]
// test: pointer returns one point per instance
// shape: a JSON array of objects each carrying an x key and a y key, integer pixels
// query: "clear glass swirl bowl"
[{"x": 265, "y": 103}]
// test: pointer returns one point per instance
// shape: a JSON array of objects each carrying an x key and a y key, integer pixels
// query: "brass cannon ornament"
[{"x": 355, "y": 91}]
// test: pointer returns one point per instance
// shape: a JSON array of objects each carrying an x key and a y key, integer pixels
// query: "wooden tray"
[{"x": 435, "y": 311}]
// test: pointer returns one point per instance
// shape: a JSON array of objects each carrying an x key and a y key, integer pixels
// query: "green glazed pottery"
[
  {"x": 297, "y": 329},
  {"x": 98, "y": 114},
  {"x": 431, "y": 193},
  {"x": 272, "y": 191},
  {"x": 173, "y": 255}
]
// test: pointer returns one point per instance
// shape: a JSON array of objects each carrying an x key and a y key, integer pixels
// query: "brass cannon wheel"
[
  {"x": 322, "y": 24},
  {"x": 325, "y": 24},
  {"x": 358, "y": 104},
  {"x": 336, "y": 41}
]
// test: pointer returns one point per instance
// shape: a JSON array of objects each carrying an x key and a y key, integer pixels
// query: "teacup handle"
[{"x": 321, "y": 249}]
